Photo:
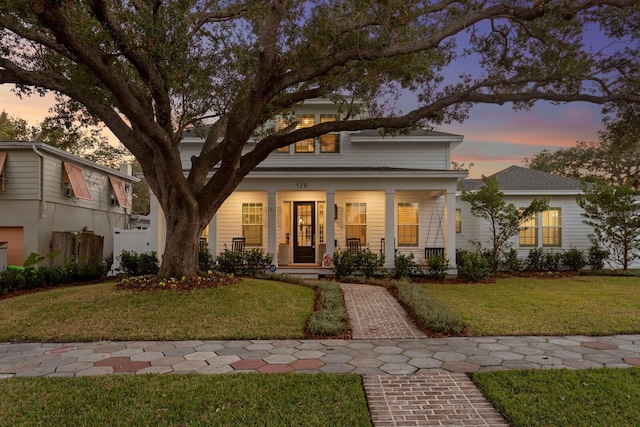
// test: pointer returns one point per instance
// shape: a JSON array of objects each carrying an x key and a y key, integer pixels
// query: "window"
[
  {"x": 356, "y": 222},
  {"x": 550, "y": 233},
  {"x": 120, "y": 192},
  {"x": 74, "y": 183},
  {"x": 321, "y": 222},
  {"x": 252, "y": 224},
  {"x": 329, "y": 143},
  {"x": 458, "y": 221},
  {"x": 281, "y": 124},
  {"x": 408, "y": 224},
  {"x": 3, "y": 157},
  {"x": 552, "y": 227},
  {"x": 306, "y": 145}
]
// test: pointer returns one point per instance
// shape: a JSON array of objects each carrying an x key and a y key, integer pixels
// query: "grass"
[
  {"x": 595, "y": 397},
  {"x": 185, "y": 400},
  {"x": 580, "y": 305},
  {"x": 250, "y": 309}
]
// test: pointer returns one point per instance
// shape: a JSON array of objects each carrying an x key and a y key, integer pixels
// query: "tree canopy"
[{"x": 149, "y": 69}]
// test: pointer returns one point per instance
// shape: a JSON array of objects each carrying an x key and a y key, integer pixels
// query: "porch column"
[
  {"x": 330, "y": 232},
  {"x": 272, "y": 242},
  {"x": 389, "y": 222},
  {"x": 213, "y": 235},
  {"x": 450, "y": 229}
]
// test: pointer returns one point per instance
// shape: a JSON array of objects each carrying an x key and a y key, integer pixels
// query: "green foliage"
[
  {"x": 33, "y": 278},
  {"x": 248, "y": 263},
  {"x": 428, "y": 312},
  {"x": 139, "y": 264},
  {"x": 614, "y": 215},
  {"x": 596, "y": 257},
  {"x": 437, "y": 267},
  {"x": 35, "y": 258},
  {"x": 504, "y": 219},
  {"x": 330, "y": 316},
  {"x": 364, "y": 262},
  {"x": 511, "y": 262},
  {"x": 574, "y": 259},
  {"x": 472, "y": 266},
  {"x": 540, "y": 260},
  {"x": 206, "y": 261},
  {"x": 405, "y": 266}
]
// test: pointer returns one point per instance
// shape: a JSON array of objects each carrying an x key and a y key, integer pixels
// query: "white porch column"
[
  {"x": 450, "y": 229},
  {"x": 389, "y": 225},
  {"x": 330, "y": 232},
  {"x": 272, "y": 242},
  {"x": 213, "y": 235}
]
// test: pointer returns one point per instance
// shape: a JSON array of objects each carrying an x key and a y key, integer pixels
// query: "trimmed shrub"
[
  {"x": 437, "y": 267},
  {"x": 256, "y": 261},
  {"x": 574, "y": 259},
  {"x": 472, "y": 266},
  {"x": 206, "y": 261},
  {"x": 344, "y": 263},
  {"x": 229, "y": 262},
  {"x": 597, "y": 256},
  {"x": 535, "y": 260},
  {"x": 430, "y": 313},
  {"x": 368, "y": 263},
  {"x": 405, "y": 266},
  {"x": 511, "y": 262},
  {"x": 139, "y": 264},
  {"x": 330, "y": 316}
]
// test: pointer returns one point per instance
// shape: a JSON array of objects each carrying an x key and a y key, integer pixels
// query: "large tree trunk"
[{"x": 183, "y": 231}]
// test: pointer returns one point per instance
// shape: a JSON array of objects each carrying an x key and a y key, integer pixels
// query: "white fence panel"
[{"x": 128, "y": 240}]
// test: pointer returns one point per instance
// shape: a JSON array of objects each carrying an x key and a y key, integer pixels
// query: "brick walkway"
[{"x": 424, "y": 399}]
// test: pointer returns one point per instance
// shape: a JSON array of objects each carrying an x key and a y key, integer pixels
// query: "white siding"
[{"x": 229, "y": 217}]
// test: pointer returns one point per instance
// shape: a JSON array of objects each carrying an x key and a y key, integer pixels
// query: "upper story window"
[
  {"x": 408, "y": 225},
  {"x": 73, "y": 182},
  {"x": 330, "y": 142},
  {"x": 3, "y": 157},
  {"x": 306, "y": 145}
]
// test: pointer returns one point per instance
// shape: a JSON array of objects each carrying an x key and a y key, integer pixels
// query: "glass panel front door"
[{"x": 304, "y": 246}]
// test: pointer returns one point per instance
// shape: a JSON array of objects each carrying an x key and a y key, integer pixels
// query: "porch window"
[
  {"x": 552, "y": 227},
  {"x": 408, "y": 224},
  {"x": 329, "y": 143},
  {"x": 3, "y": 157},
  {"x": 356, "y": 222},
  {"x": 321, "y": 222},
  {"x": 306, "y": 145},
  {"x": 528, "y": 236},
  {"x": 74, "y": 183},
  {"x": 458, "y": 221},
  {"x": 120, "y": 192},
  {"x": 252, "y": 224}
]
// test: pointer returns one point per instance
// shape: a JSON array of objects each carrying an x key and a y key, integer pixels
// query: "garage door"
[{"x": 15, "y": 237}]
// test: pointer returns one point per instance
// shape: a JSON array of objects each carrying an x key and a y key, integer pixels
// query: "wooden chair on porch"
[
  {"x": 237, "y": 244},
  {"x": 353, "y": 245}
]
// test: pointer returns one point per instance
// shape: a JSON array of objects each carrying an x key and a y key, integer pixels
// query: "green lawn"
[
  {"x": 250, "y": 309},
  {"x": 185, "y": 400},
  {"x": 595, "y": 397},
  {"x": 586, "y": 305}
]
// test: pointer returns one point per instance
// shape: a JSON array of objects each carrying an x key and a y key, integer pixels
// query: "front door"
[{"x": 304, "y": 234}]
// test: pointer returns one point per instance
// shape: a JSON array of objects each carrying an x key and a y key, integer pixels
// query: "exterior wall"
[
  {"x": 229, "y": 218},
  {"x": 11, "y": 246},
  {"x": 22, "y": 204},
  {"x": 574, "y": 231},
  {"x": 22, "y": 215}
]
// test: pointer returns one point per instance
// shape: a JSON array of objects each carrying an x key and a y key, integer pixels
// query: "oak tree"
[{"x": 149, "y": 69}]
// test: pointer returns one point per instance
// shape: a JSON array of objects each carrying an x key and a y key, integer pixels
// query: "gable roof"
[{"x": 516, "y": 178}]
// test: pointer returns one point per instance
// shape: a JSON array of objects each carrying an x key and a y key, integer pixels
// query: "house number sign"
[{"x": 301, "y": 185}]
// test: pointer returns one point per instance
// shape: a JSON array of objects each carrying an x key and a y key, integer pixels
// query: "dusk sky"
[{"x": 495, "y": 137}]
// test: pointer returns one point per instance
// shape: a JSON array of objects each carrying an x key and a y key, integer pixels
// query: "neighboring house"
[
  {"x": 44, "y": 189},
  {"x": 561, "y": 227},
  {"x": 384, "y": 193}
]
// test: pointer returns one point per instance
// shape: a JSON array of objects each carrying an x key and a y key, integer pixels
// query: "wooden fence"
[{"x": 81, "y": 248}]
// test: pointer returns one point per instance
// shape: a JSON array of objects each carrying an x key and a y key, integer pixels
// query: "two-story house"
[
  {"x": 44, "y": 189},
  {"x": 362, "y": 189}
]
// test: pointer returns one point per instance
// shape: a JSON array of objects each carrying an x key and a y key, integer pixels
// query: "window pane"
[
  {"x": 306, "y": 145},
  {"x": 356, "y": 220},
  {"x": 528, "y": 236},
  {"x": 252, "y": 223},
  {"x": 408, "y": 224},
  {"x": 552, "y": 227},
  {"x": 458, "y": 221},
  {"x": 321, "y": 222},
  {"x": 329, "y": 143}
]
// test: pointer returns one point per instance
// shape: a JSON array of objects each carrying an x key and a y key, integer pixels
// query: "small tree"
[
  {"x": 504, "y": 219},
  {"x": 614, "y": 214}
]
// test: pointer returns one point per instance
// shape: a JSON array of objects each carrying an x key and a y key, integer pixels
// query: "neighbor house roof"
[{"x": 516, "y": 178}]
